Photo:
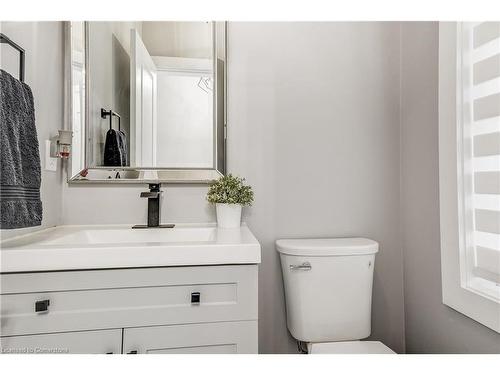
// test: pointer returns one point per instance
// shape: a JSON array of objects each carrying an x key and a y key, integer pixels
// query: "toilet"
[{"x": 328, "y": 293}]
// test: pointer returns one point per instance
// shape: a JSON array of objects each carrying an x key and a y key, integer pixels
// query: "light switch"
[{"x": 50, "y": 163}]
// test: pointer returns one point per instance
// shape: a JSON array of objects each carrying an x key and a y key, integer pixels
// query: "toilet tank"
[{"x": 328, "y": 287}]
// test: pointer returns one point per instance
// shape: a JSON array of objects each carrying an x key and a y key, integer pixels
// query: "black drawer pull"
[
  {"x": 109, "y": 353},
  {"x": 195, "y": 298},
  {"x": 41, "y": 306},
  {"x": 132, "y": 352}
]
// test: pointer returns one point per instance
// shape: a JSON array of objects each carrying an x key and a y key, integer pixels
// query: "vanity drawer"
[{"x": 81, "y": 300}]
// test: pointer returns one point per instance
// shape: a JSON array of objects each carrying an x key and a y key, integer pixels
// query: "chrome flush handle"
[{"x": 306, "y": 266}]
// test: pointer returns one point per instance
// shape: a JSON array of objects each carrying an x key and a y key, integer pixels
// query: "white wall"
[
  {"x": 185, "y": 132},
  {"x": 314, "y": 126},
  {"x": 178, "y": 39},
  {"x": 431, "y": 327},
  {"x": 43, "y": 42}
]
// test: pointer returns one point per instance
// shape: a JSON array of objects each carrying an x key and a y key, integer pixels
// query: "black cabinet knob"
[
  {"x": 132, "y": 352},
  {"x": 41, "y": 306},
  {"x": 195, "y": 297}
]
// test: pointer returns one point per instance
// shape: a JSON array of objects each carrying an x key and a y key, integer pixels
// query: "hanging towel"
[
  {"x": 20, "y": 202},
  {"x": 113, "y": 152},
  {"x": 122, "y": 139}
]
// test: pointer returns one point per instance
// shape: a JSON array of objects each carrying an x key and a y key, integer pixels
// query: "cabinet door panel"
[
  {"x": 209, "y": 338},
  {"x": 87, "y": 342},
  {"x": 205, "y": 349}
]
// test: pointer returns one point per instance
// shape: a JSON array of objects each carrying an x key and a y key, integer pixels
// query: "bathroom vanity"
[{"x": 113, "y": 289}]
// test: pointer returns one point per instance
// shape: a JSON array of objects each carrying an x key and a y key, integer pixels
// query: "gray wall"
[
  {"x": 105, "y": 204},
  {"x": 315, "y": 129},
  {"x": 43, "y": 42},
  {"x": 314, "y": 126},
  {"x": 109, "y": 57},
  {"x": 431, "y": 327}
]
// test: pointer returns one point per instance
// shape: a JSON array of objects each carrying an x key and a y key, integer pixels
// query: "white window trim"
[{"x": 455, "y": 294}]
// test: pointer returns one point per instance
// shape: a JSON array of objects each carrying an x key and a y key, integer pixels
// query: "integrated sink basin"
[
  {"x": 120, "y": 246},
  {"x": 116, "y": 235}
]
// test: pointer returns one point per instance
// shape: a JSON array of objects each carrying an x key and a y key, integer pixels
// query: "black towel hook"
[
  {"x": 10, "y": 42},
  {"x": 111, "y": 113}
]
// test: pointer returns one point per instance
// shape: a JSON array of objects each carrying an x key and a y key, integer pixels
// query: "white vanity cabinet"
[{"x": 201, "y": 309}]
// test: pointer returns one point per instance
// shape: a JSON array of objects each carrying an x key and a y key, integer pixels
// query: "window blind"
[{"x": 480, "y": 156}]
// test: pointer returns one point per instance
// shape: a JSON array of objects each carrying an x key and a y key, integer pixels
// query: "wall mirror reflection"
[{"x": 147, "y": 101}]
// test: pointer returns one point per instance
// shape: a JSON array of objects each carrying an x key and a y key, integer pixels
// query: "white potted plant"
[{"x": 229, "y": 194}]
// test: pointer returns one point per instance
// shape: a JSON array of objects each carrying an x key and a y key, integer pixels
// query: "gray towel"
[{"x": 20, "y": 204}]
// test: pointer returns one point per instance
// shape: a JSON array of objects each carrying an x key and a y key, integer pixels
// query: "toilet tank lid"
[{"x": 327, "y": 246}]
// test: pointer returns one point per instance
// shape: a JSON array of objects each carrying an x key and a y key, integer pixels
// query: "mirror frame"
[{"x": 114, "y": 175}]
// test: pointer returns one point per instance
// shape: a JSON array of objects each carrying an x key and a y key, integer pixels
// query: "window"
[
  {"x": 469, "y": 153},
  {"x": 479, "y": 150}
]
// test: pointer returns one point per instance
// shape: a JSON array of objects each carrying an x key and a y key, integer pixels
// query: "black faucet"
[{"x": 153, "y": 195}]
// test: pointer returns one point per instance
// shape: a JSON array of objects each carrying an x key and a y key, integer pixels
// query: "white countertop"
[{"x": 80, "y": 247}]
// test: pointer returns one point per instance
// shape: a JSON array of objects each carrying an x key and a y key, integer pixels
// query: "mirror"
[{"x": 147, "y": 101}]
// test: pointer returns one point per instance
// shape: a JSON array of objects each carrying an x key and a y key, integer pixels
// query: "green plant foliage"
[{"x": 230, "y": 189}]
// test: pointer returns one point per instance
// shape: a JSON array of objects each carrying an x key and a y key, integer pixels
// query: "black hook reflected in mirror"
[{"x": 111, "y": 113}]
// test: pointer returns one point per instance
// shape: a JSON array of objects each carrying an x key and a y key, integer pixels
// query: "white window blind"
[{"x": 479, "y": 157}]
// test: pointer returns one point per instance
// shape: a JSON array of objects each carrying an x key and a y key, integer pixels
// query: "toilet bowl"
[{"x": 328, "y": 293}]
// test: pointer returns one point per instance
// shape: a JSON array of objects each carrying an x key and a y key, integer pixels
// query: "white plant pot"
[{"x": 228, "y": 215}]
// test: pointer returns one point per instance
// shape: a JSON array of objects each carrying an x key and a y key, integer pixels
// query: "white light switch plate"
[{"x": 50, "y": 163}]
